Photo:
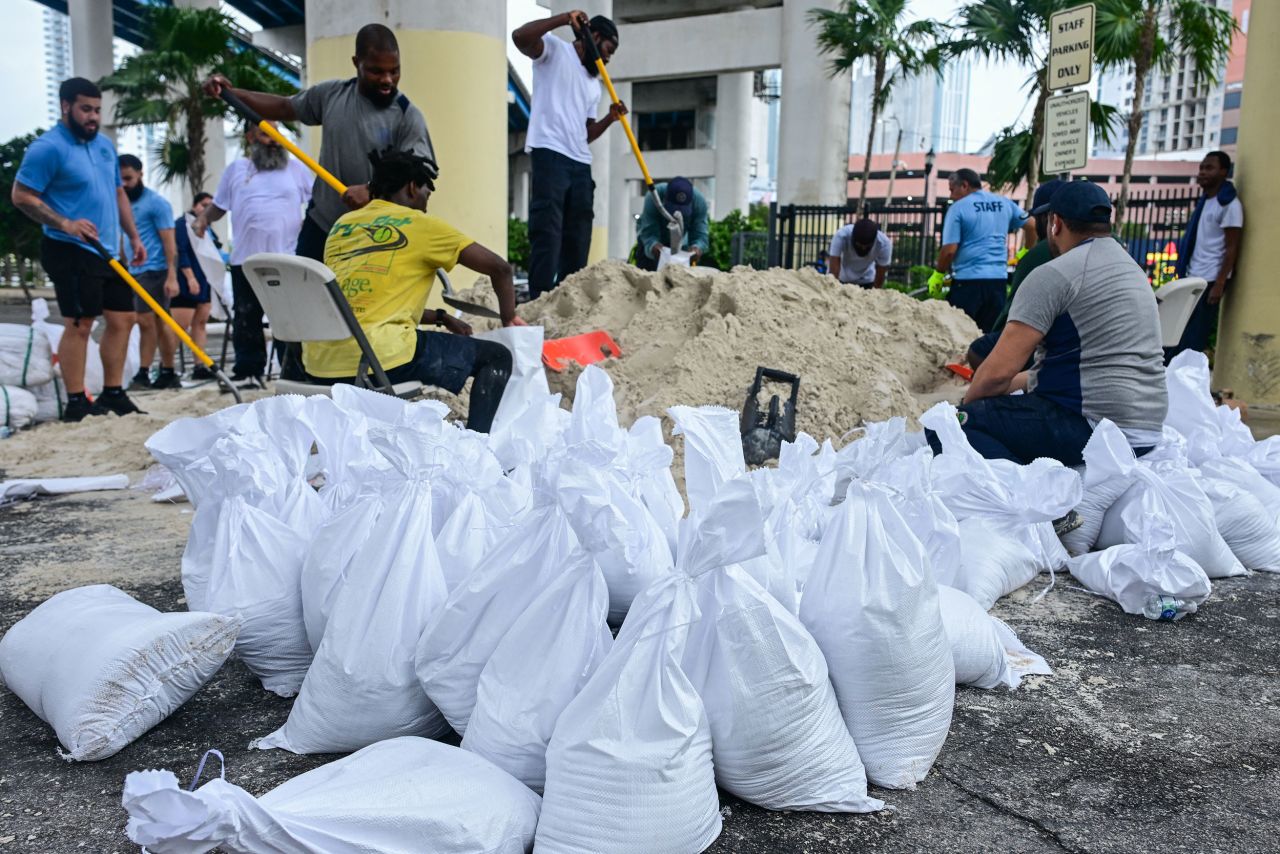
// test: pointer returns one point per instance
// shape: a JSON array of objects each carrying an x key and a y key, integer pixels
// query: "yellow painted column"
[
  {"x": 453, "y": 67},
  {"x": 1248, "y": 355}
]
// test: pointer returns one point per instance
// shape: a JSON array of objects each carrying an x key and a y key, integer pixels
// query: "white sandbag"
[
  {"x": 648, "y": 467},
  {"x": 11, "y": 490},
  {"x": 457, "y": 644},
  {"x": 925, "y": 512},
  {"x": 880, "y": 444},
  {"x": 986, "y": 652},
  {"x": 1248, "y": 527},
  {"x": 330, "y": 556},
  {"x": 254, "y": 569},
  {"x": 713, "y": 457},
  {"x": 361, "y": 688},
  {"x": 51, "y": 398},
  {"x": 872, "y": 605},
  {"x": 528, "y": 378},
  {"x": 629, "y": 766},
  {"x": 18, "y": 407},
  {"x": 1177, "y": 495},
  {"x": 992, "y": 564},
  {"x": 400, "y": 795},
  {"x": 538, "y": 667},
  {"x": 779, "y": 739},
  {"x": 25, "y": 356},
  {"x": 102, "y": 668},
  {"x": 1239, "y": 472},
  {"x": 1192, "y": 411},
  {"x": 1109, "y": 464},
  {"x": 1137, "y": 575},
  {"x": 345, "y": 455},
  {"x": 1021, "y": 501}
]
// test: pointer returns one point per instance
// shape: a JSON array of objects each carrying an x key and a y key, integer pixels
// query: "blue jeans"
[
  {"x": 981, "y": 299},
  {"x": 1022, "y": 427},
  {"x": 560, "y": 198}
]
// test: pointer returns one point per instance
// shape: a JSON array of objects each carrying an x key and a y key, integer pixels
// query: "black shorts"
[
  {"x": 84, "y": 284},
  {"x": 152, "y": 282},
  {"x": 186, "y": 299}
]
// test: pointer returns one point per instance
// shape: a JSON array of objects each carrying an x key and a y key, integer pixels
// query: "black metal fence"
[{"x": 799, "y": 235}]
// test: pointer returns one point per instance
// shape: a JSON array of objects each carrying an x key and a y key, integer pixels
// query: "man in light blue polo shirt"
[
  {"x": 975, "y": 247},
  {"x": 69, "y": 182},
  {"x": 158, "y": 275}
]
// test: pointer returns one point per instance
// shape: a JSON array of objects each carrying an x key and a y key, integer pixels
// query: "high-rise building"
[
  {"x": 1233, "y": 81},
  {"x": 1182, "y": 111},
  {"x": 57, "y": 59},
  {"x": 932, "y": 111}
]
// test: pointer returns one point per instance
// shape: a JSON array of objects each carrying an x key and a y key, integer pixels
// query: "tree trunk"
[
  {"x": 1141, "y": 67},
  {"x": 871, "y": 132},
  {"x": 195, "y": 146},
  {"x": 1037, "y": 137}
]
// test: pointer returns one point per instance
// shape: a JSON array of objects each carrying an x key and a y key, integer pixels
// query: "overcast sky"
[{"x": 996, "y": 98}]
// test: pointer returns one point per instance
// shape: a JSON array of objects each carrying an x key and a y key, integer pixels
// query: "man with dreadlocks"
[{"x": 385, "y": 257}]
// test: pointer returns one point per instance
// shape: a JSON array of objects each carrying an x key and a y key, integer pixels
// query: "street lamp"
[{"x": 929, "y": 158}]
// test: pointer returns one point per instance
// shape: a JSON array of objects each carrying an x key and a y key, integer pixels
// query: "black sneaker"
[
  {"x": 142, "y": 380},
  {"x": 251, "y": 384},
  {"x": 1067, "y": 523},
  {"x": 119, "y": 403},
  {"x": 79, "y": 407},
  {"x": 167, "y": 379},
  {"x": 200, "y": 372}
]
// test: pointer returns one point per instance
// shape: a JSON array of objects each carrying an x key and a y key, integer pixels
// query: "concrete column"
[
  {"x": 813, "y": 148},
  {"x": 733, "y": 143},
  {"x": 291, "y": 40},
  {"x": 600, "y": 149},
  {"x": 453, "y": 68},
  {"x": 92, "y": 28},
  {"x": 620, "y": 192},
  {"x": 1248, "y": 354}
]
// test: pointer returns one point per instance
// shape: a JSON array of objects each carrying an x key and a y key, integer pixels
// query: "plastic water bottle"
[{"x": 1162, "y": 608}]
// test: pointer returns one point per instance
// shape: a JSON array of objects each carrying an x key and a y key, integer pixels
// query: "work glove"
[
  {"x": 1018, "y": 255},
  {"x": 936, "y": 281}
]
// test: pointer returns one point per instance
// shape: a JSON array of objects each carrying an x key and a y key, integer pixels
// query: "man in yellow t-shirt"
[{"x": 385, "y": 257}]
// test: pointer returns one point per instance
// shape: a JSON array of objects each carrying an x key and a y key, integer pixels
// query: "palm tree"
[
  {"x": 875, "y": 30},
  {"x": 1017, "y": 31},
  {"x": 162, "y": 84},
  {"x": 1150, "y": 34}
]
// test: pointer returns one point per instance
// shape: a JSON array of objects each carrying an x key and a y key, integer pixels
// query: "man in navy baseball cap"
[
  {"x": 652, "y": 234},
  {"x": 1089, "y": 318}
]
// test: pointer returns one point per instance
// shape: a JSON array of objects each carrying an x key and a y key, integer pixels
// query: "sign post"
[{"x": 1066, "y": 115}]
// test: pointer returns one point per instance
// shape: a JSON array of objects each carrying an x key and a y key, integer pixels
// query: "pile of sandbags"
[{"x": 788, "y": 638}]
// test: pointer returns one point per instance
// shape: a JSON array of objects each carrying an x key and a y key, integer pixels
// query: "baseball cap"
[
  {"x": 1079, "y": 200},
  {"x": 1044, "y": 193},
  {"x": 864, "y": 231},
  {"x": 679, "y": 197}
]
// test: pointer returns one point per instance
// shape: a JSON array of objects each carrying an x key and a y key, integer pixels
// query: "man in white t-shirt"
[
  {"x": 860, "y": 254},
  {"x": 1210, "y": 247},
  {"x": 562, "y": 123},
  {"x": 265, "y": 193}
]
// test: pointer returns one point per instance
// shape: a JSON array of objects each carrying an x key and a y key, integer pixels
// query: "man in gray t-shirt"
[
  {"x": 362, "y": 115},
  {"x": 1090, "y": 318}
]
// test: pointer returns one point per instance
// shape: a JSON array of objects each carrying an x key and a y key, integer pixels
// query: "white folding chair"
[
  {"x": 1175, "y": 301},
  {"x": 304, "y": 303}
]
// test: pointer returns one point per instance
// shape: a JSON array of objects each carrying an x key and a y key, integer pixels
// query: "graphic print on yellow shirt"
[{"x": 385, "y": 258}]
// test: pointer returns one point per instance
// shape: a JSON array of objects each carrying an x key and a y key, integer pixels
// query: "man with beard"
[
  {"x": 1090, "y": 319},
  {"x": 69, "y": 182},
  {"x": 363, "y": 114},
  {"x": 158, "y": 275},
  {"x": 561, "y": 124},
  {"x": 265, "y": 193}
]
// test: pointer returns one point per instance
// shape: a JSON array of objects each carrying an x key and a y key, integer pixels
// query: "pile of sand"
[{"x": 697, "y": 338}]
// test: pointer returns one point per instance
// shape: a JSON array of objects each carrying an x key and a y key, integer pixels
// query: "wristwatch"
[{"x": 440, "y": 316}]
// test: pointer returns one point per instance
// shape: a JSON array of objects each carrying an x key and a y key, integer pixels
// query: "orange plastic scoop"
[
  {"x": 584, "y": 349},
  {"x": 964, "y": 372}
]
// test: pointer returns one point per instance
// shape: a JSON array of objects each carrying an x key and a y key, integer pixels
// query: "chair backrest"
[
  {"x": 296, "y": 297},
  {"x": 1175, "y": 301}
]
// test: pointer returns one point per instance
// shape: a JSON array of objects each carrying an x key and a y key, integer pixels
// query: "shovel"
[
  {"x": 164, "y": 315},
  {"x": 675, "y": 223}
]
